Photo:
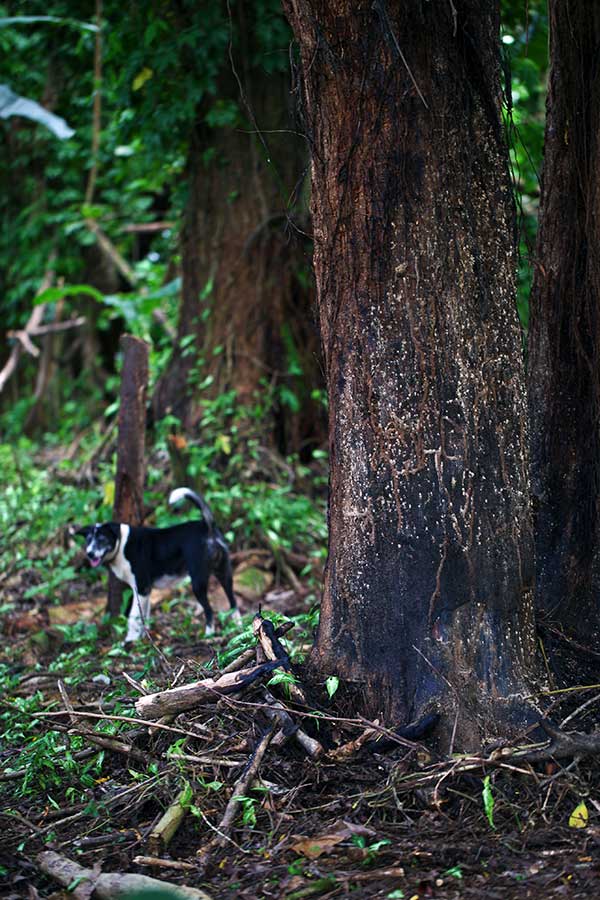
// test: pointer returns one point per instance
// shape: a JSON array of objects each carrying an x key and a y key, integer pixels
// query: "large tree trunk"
[
  {"x": 427, "y": 598},
  {"x": 244, "y": 297},
  {"x": 564, "y": 341}
]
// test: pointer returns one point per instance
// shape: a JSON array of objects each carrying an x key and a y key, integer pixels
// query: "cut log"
[
  {"x": 164, "y": 830},
  {"x": 109, "y": 885}
]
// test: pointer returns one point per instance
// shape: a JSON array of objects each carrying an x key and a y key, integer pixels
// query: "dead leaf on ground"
[
  {"x": 312, "y": 848},
  {"x": 88, "y": 610}
]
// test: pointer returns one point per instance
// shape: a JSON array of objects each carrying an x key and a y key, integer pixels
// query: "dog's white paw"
[
  {"x": 209, "y": 630},
  {"x": 236, "y": 616}
]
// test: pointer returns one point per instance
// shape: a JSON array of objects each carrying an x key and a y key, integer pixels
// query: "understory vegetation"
[{"x": 96, "y": 238}]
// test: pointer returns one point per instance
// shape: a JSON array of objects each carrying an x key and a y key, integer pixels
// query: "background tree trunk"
[
  {"x": 131, "y": 464},
  {"x": 427, "y": 598},
  {"x": 245, "y": 297},
  {"x": 564, "y": 339}
]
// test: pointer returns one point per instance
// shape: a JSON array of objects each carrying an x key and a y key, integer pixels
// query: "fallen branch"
[
  {"x": 240, "y": 789},
  {"x": 108, "y": 885},
  {"x": 178, "y": 699},
  {"x": 575, "y": 743},
  {"x": 99, "y": 740},
  {"x": 265, "y": 633},
  {"x": 351, "y": 748},
  {"x": 276, "y": 710}
]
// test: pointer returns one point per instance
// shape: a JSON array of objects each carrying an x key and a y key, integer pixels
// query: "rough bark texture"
[
  {"x": 131, "y": 465},
  {"x": 564, "y": 340},
  {"x": 427, "y": 598},
  {"x": 238, "y": 238}
]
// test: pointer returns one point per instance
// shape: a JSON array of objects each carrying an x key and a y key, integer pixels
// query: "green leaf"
[
  {"x": 50, "y": 295},
  {"x": 579, "y": 816},
  {"x": 488, "y": 801},
  {"x": 141, "y": 78},
  {"x": 454, "y": 871},
  {"x": 223, "y": 443},
  {"x": 76, "y": 882},
  {"x": 332, "y": 684},
  {"x": 282, "y": 677}
]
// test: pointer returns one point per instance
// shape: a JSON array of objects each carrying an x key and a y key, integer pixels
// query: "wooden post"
[{"x": 129, "y": 480}]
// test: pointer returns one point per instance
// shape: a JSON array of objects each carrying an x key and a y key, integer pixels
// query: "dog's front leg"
[{"x": 139, "y": 614}]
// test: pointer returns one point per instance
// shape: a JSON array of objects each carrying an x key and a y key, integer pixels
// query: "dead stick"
[
  {"x": 35, "y": 319},
  {"x": 241, "y": 788},
  {"x": 164, "y": 830},
  {"x": 50, "y": 328},
  {"x": 109, "y": 885},
  {"x": 265, "y": 633},
  {"x": 159, "y": 863},
  {"x": 277, "y": 710}
]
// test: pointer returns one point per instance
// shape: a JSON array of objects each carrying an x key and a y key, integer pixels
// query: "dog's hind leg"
[
  {"x": 139, "y": 614},
  {"x": 224, "y": 575},
  {"x": 200, "y": 589}
]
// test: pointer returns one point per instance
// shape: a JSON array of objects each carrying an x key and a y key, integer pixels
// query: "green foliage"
[
  {"x": 331, "y": 685},
  {"x": 525, "y": 45},
  {"x": 256, "y": 509},
  {"x": 166, "y": 77},
  {"x": 33, "y": 504},
  {"x": 370, "y": 850},
  {"x": 488, "y": 801}
]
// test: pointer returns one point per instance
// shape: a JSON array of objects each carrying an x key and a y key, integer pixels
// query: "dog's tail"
[{"x": 187, "y": 494}]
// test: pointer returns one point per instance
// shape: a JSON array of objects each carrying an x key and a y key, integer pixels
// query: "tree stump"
[{"x": 129, "y": 480}]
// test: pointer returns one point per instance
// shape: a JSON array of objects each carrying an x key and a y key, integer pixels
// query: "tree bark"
[
  {"x": 427, "y": 598},
  {"x": 131, "y": 466},
  {"x": 564, "y": 339},
  {"x": 244, "y": 299}
]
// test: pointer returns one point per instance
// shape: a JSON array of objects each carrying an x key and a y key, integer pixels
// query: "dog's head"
[{"x": 100, "y": 541}]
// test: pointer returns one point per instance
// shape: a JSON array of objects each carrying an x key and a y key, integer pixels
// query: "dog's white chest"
[{"x": 120, "y": 565}]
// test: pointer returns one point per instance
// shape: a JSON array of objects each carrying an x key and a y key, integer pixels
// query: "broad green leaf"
[
  {"x": 579, "y": 816},
  {"x": 223, "y": 443},
  {"x": 109, "y": 493},
  {"x": 141, "y": 78},
  {"x": 50, "y": 295},
  {"x": 332, "y": 684}
]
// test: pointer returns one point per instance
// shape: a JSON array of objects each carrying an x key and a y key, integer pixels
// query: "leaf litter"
[{"x": 252, "y": 793}]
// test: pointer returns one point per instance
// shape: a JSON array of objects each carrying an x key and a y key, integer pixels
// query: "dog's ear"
[
  {"x": 114, "y": 528},
  {"x": 80, "y": 532}
]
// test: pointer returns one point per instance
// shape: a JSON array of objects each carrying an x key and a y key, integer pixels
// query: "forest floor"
[{"x": 88, "y": 777}]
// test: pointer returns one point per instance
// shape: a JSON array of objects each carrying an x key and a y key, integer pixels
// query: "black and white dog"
[{"x": 144, "y": 558}]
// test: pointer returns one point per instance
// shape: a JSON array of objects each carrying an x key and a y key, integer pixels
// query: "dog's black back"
[
  {"x": 145, "y": 557},
  {"x": 187, "y": 549}
]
